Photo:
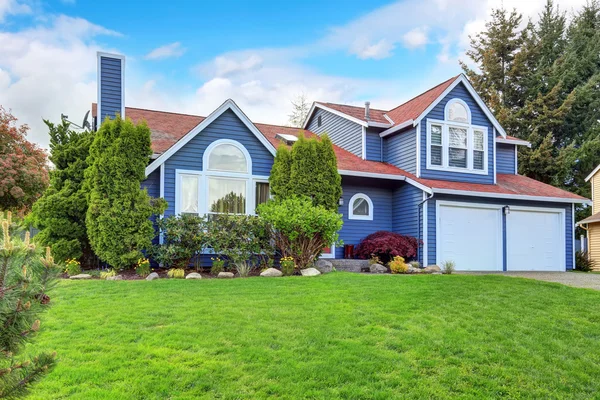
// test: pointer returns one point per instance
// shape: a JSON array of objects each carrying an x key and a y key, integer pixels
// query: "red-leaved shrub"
[{"x": 386, "y": 245}]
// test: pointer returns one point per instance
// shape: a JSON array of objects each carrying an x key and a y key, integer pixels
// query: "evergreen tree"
[
  {"x": 279, "y": 179},
  {"x": 119, "y": 211},
  {"x": 300, "y": 109},
  {"x": 60, "y": 213}
]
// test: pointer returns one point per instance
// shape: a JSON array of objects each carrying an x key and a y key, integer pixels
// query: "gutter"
[
  {"x": 396, "y": 128},
  {"x": 420, "y": 208}
]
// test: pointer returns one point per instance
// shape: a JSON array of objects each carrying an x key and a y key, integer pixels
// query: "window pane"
[
  {"x": 227, "y": 157},
  {"x": 360, "y": 207},
  {"x": 189, "y": 194},
  {"x": 457, "y": 112},
  {"x": 262, "y": 192},
  {"x": 436, "y": 134},
  {"x": 478, "y": 159},
  {"x": 436, "y": 155},
  {"x": 226, "y": 195},
  {"x": 457, "y": 158},
  {"x": 458, "y": 137},
  {"x": 478, "y": 140}
]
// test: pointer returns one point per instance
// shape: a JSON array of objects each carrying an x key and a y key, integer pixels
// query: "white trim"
[
  {"x": 439, "y": 223},
  {"x": 329, "y": 255},
  {"x": 592, "y": 173},
  {"x": 364, "y": 143},
  {"x": 425, "y": 231},
  {"x": 385, "y": 176},
  {"x": 389, "y": 119},
  {"x": 592, "y": 184},
  {"x": 516, "y": 165},
  {"x": 573, "y": 239},
  {"x": 351, "y": 208},
  {"x": 396, "y": 128},
  {"x": 445, "y": 125},
  {"x": 331, "y": 110},
  {"x": 227, "y": 105},
  {"x": 99, "y": 55},
  {"x": 462, "y": 103},
  {"x": 509, "y": 196},
  {"x": 236, "y": 144},
  {"x": 475, "y": 96},
  {"x": 418, "y": 135},
  {"x": 161, "y": 191},
  {"x": 494, "y": 150},
  {"x": 516, "y": 142},
  {"x": 178, "y": 174},
  {"x": 378, "y": 124}
]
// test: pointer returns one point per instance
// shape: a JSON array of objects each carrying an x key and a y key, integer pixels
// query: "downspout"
[{"x": 420, "y": 207}]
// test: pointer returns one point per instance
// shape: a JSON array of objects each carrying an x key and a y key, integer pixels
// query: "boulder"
[
  {"x": 310, "y": 272},
  {"x": 193, "y": 275},
  {"x": 413, "y": 270},
  {"x": 115, "y": 278},
  {"x": 432, "y": 268},
  {"x": 377, "y": 269},
  {"x": 81, "y": 276},
  {"x": 152, "y": 276},
  {"x": 271, "y": 272},
  {"x": 324, "y": 266},
  {"x": 225, "y": 275}
]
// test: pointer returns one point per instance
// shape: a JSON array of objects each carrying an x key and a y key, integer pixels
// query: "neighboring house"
[
  {"x": 592, "y": 224},
  {"x": 438, "y": 167}
]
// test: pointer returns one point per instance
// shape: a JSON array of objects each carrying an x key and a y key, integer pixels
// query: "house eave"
[
  {"x": 516, "y": 142},
  {"x": 511, "y": 196},
  {"x": 397, "y": 128}
]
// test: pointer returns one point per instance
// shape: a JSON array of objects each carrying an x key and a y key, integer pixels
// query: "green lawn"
[{"x": 340, "y": 335}]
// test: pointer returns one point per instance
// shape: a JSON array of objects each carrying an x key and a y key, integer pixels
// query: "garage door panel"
[{"x": 470, "y": 236}]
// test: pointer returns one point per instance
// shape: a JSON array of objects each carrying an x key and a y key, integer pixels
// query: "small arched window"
[
  {"x": 458, "y": 111},
  {"x": 360, "y": 207},
  {"x": 227, "y": 158}
]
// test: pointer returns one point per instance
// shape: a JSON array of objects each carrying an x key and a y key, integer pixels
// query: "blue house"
[{"x": 438, "y": 167}]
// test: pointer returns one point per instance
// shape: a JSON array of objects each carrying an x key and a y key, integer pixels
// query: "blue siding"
[
  {"x": 354, "y": 230},
  {"x": 431, "y": 222},
  {"x": 152, "y": 183},
  {"x": 477, "y": 118},
  {"x": 110, "y": 87},
  {"x": 405, "y": 216},
  {"x": 401, "y": 150},
  {"x": 342, "y": 132},
  {"x": 226, "y": 126},
  {"x": 374, "y": 145},
  {"x": 505, "y": 158}
]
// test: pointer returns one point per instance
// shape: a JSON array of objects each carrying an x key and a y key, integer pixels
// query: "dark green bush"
[
  {"x": 184, "y": 237},
  {"x": 583, "y": 262}
]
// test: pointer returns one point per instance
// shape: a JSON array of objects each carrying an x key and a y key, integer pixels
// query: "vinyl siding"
[
  {"x": 226, "y": 126},
  {"x": 477, "y": 118},
  {"x": 505, "y": 158},
  {"x": 354, "y": 230},
  {"x": 342, "y": 132},
  {"x": 152, "y": 185},
  {"x": 405, "y": 216},
  {"x": 596, "y": 193},
  {"x": 431, "y": 222},
  {"x": 110, "y": 87},
  {"x": 374, "y": 144},
  {"x": 594, "y": 243},
  {"x": 401, "y": 150}
]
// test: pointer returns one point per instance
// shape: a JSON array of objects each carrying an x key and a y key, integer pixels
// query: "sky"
[{"x": 189, "y": 57}]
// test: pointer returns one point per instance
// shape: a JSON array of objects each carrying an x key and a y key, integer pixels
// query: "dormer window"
[{"x": 454, "y": 144}]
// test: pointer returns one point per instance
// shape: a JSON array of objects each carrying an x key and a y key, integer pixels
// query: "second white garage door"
[
  {"x": 535, "y": 240},
  {"x": 470, "y": 235}
]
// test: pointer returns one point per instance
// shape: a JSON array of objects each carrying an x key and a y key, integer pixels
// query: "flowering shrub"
[
  {"x": 386, "y": 245},
  {"x": 72, "y": 267},
  {"x": 287, "y": 265},
  {"x": 398, "y": 266},
  {"x": 143, "y": 267},
  {"x": 218, "y": 265}
]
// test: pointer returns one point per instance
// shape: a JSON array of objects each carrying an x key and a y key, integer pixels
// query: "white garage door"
[
  {"x": 470, "y": 235},
  {"x": 535, "y": 240}
]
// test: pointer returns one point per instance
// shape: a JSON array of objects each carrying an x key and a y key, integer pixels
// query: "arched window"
[
  {"x": 458, "y": 111},
  {"x": 360, "y": 207},
  {"x": 227, "y": 158}
]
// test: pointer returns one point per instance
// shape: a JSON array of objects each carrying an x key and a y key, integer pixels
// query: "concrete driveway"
[{"x": 575, "y": 279}]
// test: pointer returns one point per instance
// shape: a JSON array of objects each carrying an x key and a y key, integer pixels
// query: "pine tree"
[
  {"x": 300, "y": 109},
  {"x": 119, "y": 211},
  {"x": 279, "y": 179},
  {"x": 25, "y": 278},
  {"x": 60, "y": 213}
]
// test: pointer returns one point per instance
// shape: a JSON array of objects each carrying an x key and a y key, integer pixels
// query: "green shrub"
[
  {"x": 178, "y": 273},
  {"x": 374, "y": 260},
  {"x": 299, "y": 229},
  {"x": 287, "y": 265},
  {"x": 398, "y": 266},
  {"x": 218, "y": 265},
  {"x": 448, "y": 267},
  {"x": 72, "y": 267},
  {"x": 183, "y": 237},
  {"x": 143, "y": 267},
  {"x": 108, "y": 274},
  {"x": 583, "y": 261}
]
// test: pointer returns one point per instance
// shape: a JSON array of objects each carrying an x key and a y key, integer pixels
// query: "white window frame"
[
  {"x": 446, "y": 145},
  {"x": 461, "y": 102},
  {"x": 351, "y": 207}
]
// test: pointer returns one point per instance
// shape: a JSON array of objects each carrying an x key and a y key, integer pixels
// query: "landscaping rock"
[
  {"x": 193, "y": 275},
  {"x": 377, "y": 269},
  {"x": 413, "y": 270},
  {"x": 271, "y": 272},
  {"x": 115, "y": 278},
  {"x": 225, "y": 275},
  {"x": 432, "y": 268},
  {"x": 81, "y": 276},
  {"x": 324, "y": 266},
  {"x": 310, "y": 272},
  {"x": 152, "y": 276}
]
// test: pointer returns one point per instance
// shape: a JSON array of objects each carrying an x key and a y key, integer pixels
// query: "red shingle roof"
[{"x": 375, "y": 115}]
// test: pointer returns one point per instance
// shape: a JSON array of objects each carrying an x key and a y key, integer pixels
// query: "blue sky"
[{"x": 191, "y": 56}]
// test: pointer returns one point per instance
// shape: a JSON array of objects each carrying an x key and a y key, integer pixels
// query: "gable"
[{"x": 343, "y": 133}]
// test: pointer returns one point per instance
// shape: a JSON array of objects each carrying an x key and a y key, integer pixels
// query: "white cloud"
[
  {"x": 415, "y": 38},
  {"x": 12, "y": 7},
  {"x": 172, "y": 50},
  {"x": 364, "y": 50}
]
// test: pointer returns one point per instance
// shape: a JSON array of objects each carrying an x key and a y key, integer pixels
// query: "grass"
[{"x": 340, "y": 335}]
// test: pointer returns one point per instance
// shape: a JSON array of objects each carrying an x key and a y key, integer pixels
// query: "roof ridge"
[
  {"x": 165, "y": 112},
  {"x": 425, "y": 92},
  {"x": 349, "y": 105}
]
